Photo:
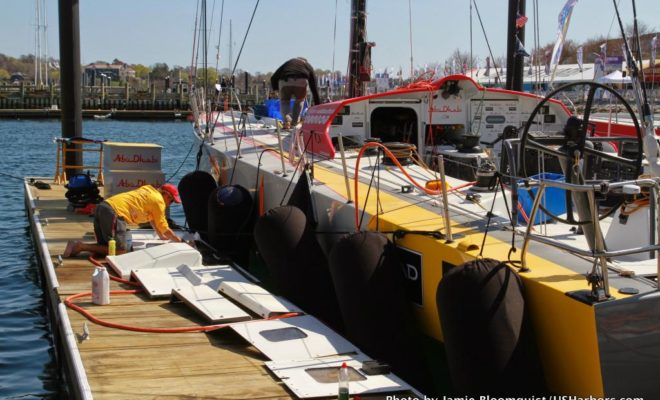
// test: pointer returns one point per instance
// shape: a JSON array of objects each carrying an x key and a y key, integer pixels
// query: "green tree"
[
  {"x": 159, "y": 71},
  {"x": 212, "y": 76},
  {"x": 141, "y": 71},
  {"x": 4, "y": 75}
]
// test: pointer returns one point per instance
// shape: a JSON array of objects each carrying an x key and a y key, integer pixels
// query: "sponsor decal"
[
  {"x": 412, "y": 270},
  {"x": 447, "y": 109},
  {"x": 135, "y": 158}
]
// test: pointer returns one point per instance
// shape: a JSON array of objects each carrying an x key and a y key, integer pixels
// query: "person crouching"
[{"x": 112, "y": 217}]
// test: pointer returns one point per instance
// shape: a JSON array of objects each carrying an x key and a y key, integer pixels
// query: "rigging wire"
[
  {"x": 182, "y": 163},
  {"x": 410, "y": 38},
  {"x": 334, "y": 39},
  {"x": 193, "y": 60},
  {"x": 645, "y": 111},
  {"x": 471, "y": 59},
  {"x": 256, "y": 5},
  {"x": 490, "y": 51},
  {"x": 217, "y": 57}
]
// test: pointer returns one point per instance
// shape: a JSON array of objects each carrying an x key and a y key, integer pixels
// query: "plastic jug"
[{"x": 100, "y": 286}]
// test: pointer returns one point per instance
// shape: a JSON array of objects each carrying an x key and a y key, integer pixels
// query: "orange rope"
[
  {"x": 638, "y": 205},
  {"x": 396, "y": 162}
]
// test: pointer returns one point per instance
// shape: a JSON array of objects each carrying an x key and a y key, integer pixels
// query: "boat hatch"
[
  {"x": 394, "y": 124},
  {"x": 256, "y": 299},
  {"x": 295, "y": 338},
  {"x": 169, "y": 255},
  {"x": 318, "y": 378},
  {"x": 210, "y": 304}
]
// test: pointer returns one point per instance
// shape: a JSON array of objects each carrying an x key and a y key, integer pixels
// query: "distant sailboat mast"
[
  {"x": 40, "y": 45},
  {"x": 231, "y": 54}
]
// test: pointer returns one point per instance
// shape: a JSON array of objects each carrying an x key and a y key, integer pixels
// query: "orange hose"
[
  {"x": 396, "y": 162},
  {"x": 69, "y": 303},
  {"x": 114, "y": 278}
]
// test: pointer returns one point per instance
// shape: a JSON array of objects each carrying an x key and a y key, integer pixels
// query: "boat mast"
[
  {"x": 359, "y": 57},
  {"x": 515, "y": 61}
]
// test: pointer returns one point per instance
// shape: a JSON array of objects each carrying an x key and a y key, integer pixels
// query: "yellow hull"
[{"x": 565, "y": 329}]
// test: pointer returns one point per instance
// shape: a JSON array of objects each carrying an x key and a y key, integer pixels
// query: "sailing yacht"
[{"x": 525, "y": 236}]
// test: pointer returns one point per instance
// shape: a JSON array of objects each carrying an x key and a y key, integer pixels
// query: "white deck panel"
[
  {"x": 296, "y": 376},
  {"x": 214, "y": 275},
  {"x": 295, "y": 338},
  {"x": 210, "y": 304},
  {"x": 165, "y": 256},
  {"x": 257, "y": 299},
  {"x": 159, "y": 282},
  {"x": 143, "y": 238}
]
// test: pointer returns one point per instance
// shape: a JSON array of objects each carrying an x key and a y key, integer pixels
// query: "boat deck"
[{"x": 120, "y": 364}]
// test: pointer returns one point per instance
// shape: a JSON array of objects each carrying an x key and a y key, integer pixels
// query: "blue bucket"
[
  {"x": 554, "y": 199},
  {"x": 273, "y": 108}
]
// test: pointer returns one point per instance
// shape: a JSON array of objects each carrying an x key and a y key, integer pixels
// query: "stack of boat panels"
[
  {"x": 304, "y": 352},
  {"x": 128, "y": 166}
]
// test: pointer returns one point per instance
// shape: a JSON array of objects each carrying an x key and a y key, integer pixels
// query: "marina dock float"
[
  {"x": 19, "y": 113},
  {"x": 118, "y": 364}
]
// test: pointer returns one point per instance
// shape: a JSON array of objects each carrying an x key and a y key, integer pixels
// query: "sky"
[{"x": 151, "y": 31}]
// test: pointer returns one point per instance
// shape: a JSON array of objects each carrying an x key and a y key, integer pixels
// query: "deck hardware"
[
  {"x": 85, "y": 335},
  {"x": 407, "y": 189},
  {"x": 629, "y": 290}
]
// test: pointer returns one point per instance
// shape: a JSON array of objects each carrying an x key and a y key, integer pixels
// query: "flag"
[
  {"x": 564, "y": 20},
  {"x": 580, "y": 52},
  {"x": 520, "y": 21},
  {"x": 653, "y": 44},
  {"x": 487, "y": 73},
  {"x": 520, "y": 49}
]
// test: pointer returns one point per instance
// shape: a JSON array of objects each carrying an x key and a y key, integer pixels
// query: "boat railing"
[{"x": 599, "y": 251}]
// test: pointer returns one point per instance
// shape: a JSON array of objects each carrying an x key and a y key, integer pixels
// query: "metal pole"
[
  {"x": 445, "y": 203},
  {"x": 71, "y": 114},
  {"x": 343, "y": 164},
  {"x": 279, "y": 143},
  {"x": 599, "y": 243}
]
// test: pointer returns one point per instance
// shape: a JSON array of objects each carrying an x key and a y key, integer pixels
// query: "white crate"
[
  {"x": 123, "y": 181},
  {"x": 131, "y": 156}
]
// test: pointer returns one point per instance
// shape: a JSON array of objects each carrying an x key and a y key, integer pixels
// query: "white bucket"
[{"x": 100, "y": 286}]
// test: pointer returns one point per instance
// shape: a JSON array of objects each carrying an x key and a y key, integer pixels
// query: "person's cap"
[{"x": 171, "y": 189}]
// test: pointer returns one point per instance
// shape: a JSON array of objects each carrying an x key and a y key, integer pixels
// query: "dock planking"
[{"x": 121, "y": 364}]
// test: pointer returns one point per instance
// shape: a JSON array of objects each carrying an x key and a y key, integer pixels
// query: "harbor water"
[{"x": 27, "y": 353}]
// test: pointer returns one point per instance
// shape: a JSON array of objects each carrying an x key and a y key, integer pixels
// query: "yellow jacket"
[{"x": 139, "y": 206}]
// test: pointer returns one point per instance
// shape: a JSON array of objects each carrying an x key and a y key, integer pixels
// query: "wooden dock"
[{"x": 120, "y": 364}]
